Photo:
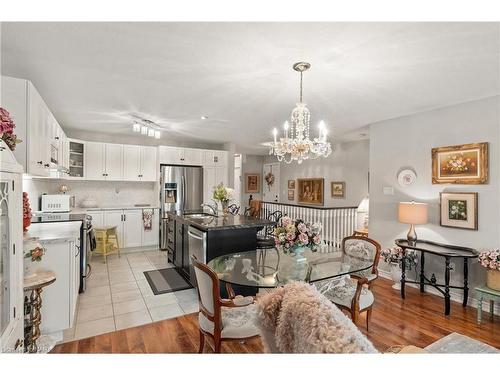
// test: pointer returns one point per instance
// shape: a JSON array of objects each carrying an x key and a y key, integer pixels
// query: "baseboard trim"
[{"x": 454, "y": 296}]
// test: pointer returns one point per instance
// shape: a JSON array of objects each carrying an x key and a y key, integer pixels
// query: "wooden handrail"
[{"x": 308, "y": 206}]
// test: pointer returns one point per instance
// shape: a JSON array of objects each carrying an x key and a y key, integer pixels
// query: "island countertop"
[{"x": 222, "y": 223}]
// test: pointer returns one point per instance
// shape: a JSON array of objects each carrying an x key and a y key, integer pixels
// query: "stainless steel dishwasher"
[{"x": 197, "y": 245}]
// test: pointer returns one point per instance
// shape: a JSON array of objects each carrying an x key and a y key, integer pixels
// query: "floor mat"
[{"x": 166, "y": 280}]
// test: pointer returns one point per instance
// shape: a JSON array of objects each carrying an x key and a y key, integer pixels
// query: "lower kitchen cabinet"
[
  {"x": 129, "y": 225},
  {"x": 59, "y": 300}
]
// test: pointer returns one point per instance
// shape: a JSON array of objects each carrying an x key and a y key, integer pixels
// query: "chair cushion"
[
  {"x": 237, "y": 322},
  {"x": 342, "y": 292}
]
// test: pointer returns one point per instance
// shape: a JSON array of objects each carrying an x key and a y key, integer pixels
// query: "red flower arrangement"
[
  {"x": 7, "y": 129},
  {"x": 26, "y": 212}
]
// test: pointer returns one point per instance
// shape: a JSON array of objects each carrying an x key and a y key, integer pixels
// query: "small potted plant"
[
  {"x": 491, "y": 261},
  {"x": 7, "y": 130},
  {"x": 223, "y": 195},
  {"x": 394, "y": 256}
]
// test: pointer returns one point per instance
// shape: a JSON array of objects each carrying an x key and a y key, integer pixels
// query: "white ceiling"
[{"x": 94, "y": 76}]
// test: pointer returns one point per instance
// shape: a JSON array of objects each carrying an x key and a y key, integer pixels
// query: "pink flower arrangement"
[
  {"x": 490, "y": 259},
  {"x": 290, "y": 235},
  {"x": 395, "y": 255},
  {"x": 7, "y": 129}
]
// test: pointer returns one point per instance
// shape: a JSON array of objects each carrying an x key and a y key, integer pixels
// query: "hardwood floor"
[{"x": 418, "y": 321}]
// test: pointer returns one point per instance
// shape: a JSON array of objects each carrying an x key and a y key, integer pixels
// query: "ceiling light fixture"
[
  {"x": 146, "y": 127},
  {"x": 136, "y": 127},
  {"x": 157, "y": 134},
  {"x": 144, "y": 130},
  {"x": 299, "y": 147},
  {"x": 204, "y": 117}
]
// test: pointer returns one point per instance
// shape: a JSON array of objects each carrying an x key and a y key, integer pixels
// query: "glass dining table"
[{"x": 269, "y": 268}]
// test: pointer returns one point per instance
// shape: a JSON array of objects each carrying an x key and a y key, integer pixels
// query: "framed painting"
[
  {"x": 291, "y": 195},
  {"x": 291, "y": 184},
  {"x": 252, "y": 183},
  {"x": 459, "y": 210},
  {"x": 338, "y": 189},
  {"x": 462, "y": 164},
  {"x": 310, "y": 191}
]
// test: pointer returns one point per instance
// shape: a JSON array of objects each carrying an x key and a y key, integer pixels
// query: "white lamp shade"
[
  {"x": 412, "y": 213},
  {"x": 364, "y": 206}
]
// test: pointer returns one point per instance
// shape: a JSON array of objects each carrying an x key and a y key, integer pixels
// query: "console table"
[{"x": 442, "y": 250}]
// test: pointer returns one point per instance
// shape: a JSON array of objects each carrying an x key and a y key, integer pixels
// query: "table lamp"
[{"x": 412, "y": 213}]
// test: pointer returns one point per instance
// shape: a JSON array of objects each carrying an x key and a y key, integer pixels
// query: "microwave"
[{"x": 57, "y": 202}]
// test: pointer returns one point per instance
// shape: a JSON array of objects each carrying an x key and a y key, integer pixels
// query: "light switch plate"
[{"x": 388, "y": 190}]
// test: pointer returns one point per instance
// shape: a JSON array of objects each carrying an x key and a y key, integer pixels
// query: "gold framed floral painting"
[
  {"x": 338, "y": 189},
  {"x": 462, "y": 164},
  {"x": 459, "y": 210},
  {"x": 310, "y": 191},
  {"x": 291, "y": 195}
]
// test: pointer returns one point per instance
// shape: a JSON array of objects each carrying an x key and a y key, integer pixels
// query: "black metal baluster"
[
  {"x": 422, "y": 275},
  {"x": 447, "y": 287},
  {"x": 466, "y": 282}
]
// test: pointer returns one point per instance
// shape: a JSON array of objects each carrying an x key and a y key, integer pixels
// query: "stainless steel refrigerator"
[{"x": 181, "y": 190}]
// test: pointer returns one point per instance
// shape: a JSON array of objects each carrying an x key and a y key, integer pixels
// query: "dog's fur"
[{"x": 296, "y": 318}]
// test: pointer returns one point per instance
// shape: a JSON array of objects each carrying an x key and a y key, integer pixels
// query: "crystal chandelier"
[{"x": 296, "y": 145}]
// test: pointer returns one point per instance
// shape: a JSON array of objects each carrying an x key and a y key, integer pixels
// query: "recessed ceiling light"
[{"x": 204, "y": 117}]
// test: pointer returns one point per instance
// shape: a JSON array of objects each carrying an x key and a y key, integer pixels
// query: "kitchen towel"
[{"x": 147, "y": 219}]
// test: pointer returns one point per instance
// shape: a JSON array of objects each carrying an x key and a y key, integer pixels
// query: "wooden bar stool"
[{"x": 106, "y": 241}]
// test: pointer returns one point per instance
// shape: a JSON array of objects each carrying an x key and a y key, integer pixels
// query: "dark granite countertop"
[
  {"x": 222, "y": 223},
  {"x": 57, "y": 217}
]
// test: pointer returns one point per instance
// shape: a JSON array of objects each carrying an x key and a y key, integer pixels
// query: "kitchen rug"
[{"x": 166, "y": 280}]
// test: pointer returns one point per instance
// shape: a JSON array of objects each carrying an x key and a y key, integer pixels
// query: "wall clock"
[{"x": 406, "y": 177}]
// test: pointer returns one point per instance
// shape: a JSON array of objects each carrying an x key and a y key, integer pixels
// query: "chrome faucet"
[{"x": 212, "y": 208}]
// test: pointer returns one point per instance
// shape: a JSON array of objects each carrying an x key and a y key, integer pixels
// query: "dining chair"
[
  {"x": 221, "y": 319},
  {"x": 254, "y": 209},
  {"x": 354, "y": 294},
  {"x": 233, "y": 209},
  {"x": 266, "y": 240}
]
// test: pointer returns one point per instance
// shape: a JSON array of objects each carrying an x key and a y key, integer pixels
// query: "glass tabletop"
[{"x": 268, "y": 268}]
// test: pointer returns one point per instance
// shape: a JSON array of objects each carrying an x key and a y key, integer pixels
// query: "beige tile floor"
[{"x": 118, "y": 296}]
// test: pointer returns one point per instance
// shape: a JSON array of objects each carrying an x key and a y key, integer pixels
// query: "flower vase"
[
  {"x": 300, "y": 264},
  {"x": 396, "y": 276},
  {"x": 225, "y": 208},
  {"x": 493, "y": 279}
]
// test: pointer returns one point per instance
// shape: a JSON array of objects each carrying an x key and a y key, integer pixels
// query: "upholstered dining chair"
[
  {"x": 354, "y": 294},
  {"x": 266, "y": 239},
  {"x": 221, "y": 319},
  {"x": 254, "y": 209}
]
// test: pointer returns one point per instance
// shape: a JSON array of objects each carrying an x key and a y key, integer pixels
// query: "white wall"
[
  {"x": 106, "y": 193},
  {"x": 348, "y": 162},
  {"x": 407, "y": 142}
]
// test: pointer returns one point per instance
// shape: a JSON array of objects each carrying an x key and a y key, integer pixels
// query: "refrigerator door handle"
[{"x": 184, "y": 190}]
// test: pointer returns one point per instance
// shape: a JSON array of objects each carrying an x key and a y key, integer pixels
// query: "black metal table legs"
[
  {"x": 447, "y": 286},
  {"x": 403, "y": 275},
  {"x": 422, "y": 274},
  {"x": 466, "y": 283}
]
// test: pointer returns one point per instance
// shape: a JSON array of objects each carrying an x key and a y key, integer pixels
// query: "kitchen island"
[{"x": 207, "y": 237}]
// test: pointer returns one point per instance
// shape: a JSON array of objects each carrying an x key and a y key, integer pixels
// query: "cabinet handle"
[
  {"x": 2, "y": 148},
  {"x": 124, "y": 217},
  {"x": 46, "y": 165},
  {"x": 57, "y": 138},
  {"x": 39, "y": 162},
  {"x": 78, "y": 252}
]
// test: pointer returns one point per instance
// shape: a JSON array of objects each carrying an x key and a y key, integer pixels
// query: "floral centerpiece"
[
  {"x": 224, "y": 195},
  {"x": 292, "y": 236},
  {"x": 7, "y": 129},
  {"x": 491, "y": 261},
  {"x": 26, "y": 212},
  {"x": 394, "y": 256}
]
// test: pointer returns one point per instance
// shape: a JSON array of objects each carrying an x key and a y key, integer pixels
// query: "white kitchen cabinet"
[
  {"x": 132, "y": 228},
  {"x": 213, "y": 176},
  {"x": 151, "y": 237},
  {"x": 103, "y": 161},
  {"x": 131, "y": 162},
  {"x": 11, "y": 254},
  {"x": 97, "y": 218},
  {"x": 94, "y": 161},
  {"x": 114, "y": 218},
  {"x": 181, "y": 156},
  {"x": 215, "y": 158},
  {"x": 139, "y": 163},
  {"x": 149, "y": 166},
  {"x": 113, "y": 161}
]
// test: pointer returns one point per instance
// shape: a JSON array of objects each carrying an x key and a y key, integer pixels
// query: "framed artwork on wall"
[
  {"x": 459, "y": 210},
  {"x": 291, "y": 195},
  {"x": 338, "y": 189},
  {"x": 252, "y": 183},
  {"x": 311, "y": 191},
  {"x": 291, "y": 184},
  {"x": 462, "y": 164}
]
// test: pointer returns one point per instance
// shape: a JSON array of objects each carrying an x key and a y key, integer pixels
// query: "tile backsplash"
[{"x": 106, "y": 193}]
